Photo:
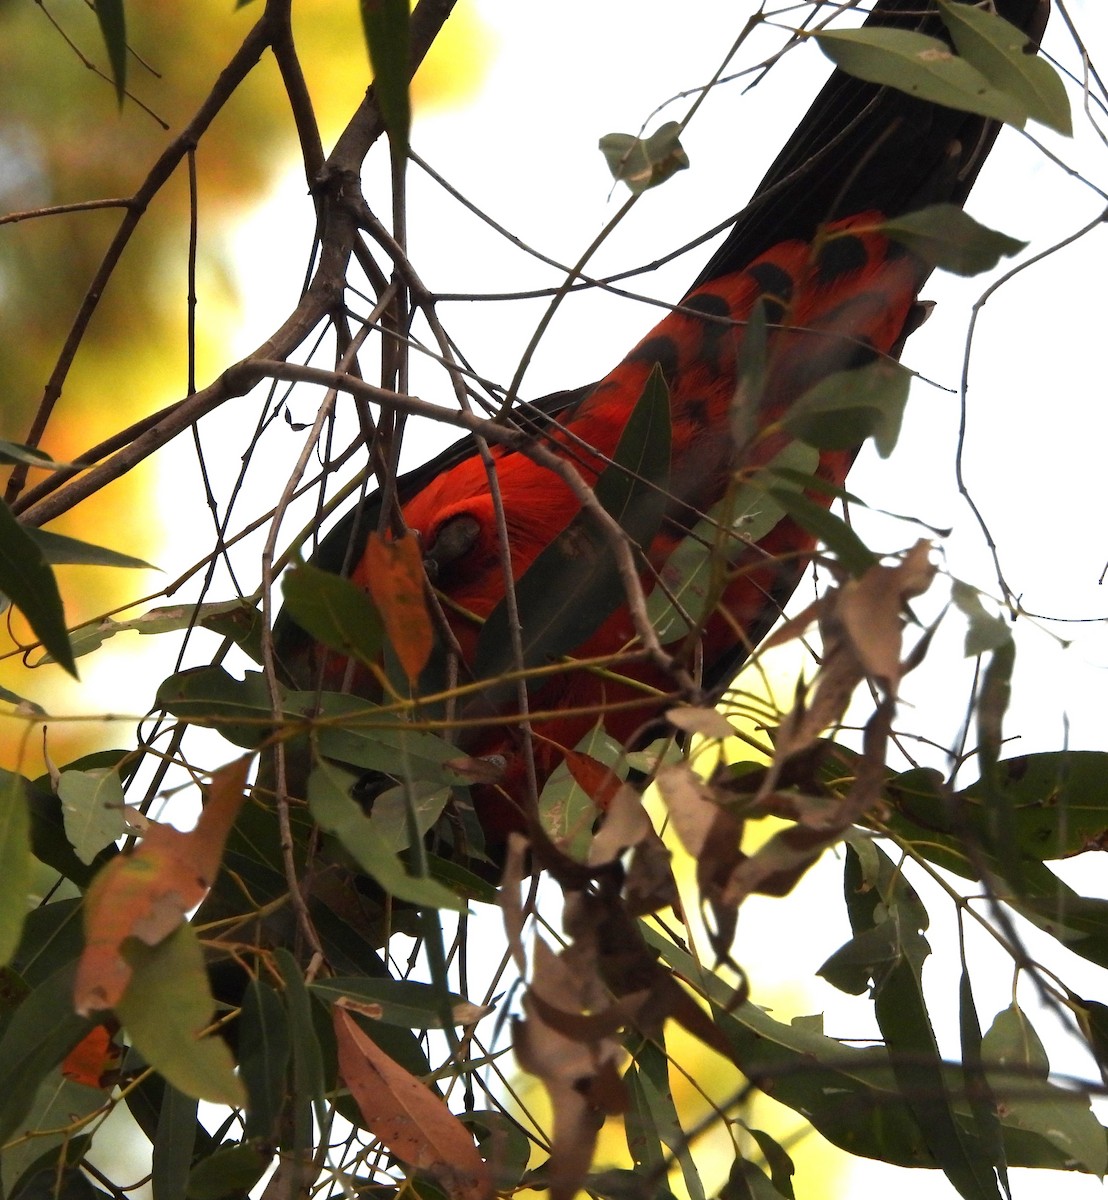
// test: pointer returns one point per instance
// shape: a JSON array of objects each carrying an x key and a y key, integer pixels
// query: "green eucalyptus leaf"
[
  {"x": 92, "y": 808},
  {"x": 1001, "y": 52},
  {"x": 922, "y": 66},
  {"x": 833, "y": 531},
  {"x": 113, "y": 28},
  {"x": 335, "y": 811},
  {"x": 844, "y": 409},
  {"x": 1018, "y": 1068},
  {"x": 166, "y": 1005},
  {"x": 945, "y": 236},
  {"x": 15, "y": 863},
  {"x": 336, "y": 612},
  {"x": 402, "y": 1002},
  {"x": 264, "y": 1052}
]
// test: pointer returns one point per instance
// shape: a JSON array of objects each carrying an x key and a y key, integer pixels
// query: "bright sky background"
[{"x": 525, "y": 151}]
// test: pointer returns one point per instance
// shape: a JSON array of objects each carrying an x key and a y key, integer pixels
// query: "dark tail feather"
[{"x": 861, "y": 146}]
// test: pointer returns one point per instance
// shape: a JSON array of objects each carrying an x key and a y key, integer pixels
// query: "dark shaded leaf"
[
  {"x": 57, "y": 549},
  {"x": 644, "y": 1143},
  {"x": 986, "y": 1126},
  {"x": 747, "y": 1181},
  {"x": 113, "y": 27},
  {"x": 618, "y": 1184},
  {"x": 386, "y": 25},
  {"x": 504, "y": 1145},
  {"x": 231, "y": 1171},
  {"x": 848, "y": 1093},
  {"x": 903, "y": 1019},
  {"x": 239, "y": 708},
  {"x": 782, "y": 1168},
  {"x": 29, "y": 583},
  {"x": 39, "y": 1035},
  {"x": 52, "y": 1179},
  {"x": 174, "y": 1144},
  {"x": 308, "y": 1085},
  {"x": 15, "y": 452},
  {"x": 335, "y": 811},
  {"x": 653, "y": 1083},
  {"x": 264, "y": 1049},
  {"x": 401, "y": 1002},
  {"x": 353, "y": 731},
  {"x": 52, "y": 938}
]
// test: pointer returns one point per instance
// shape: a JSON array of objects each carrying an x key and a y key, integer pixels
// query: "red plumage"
[{"x": 836, "y": 294}]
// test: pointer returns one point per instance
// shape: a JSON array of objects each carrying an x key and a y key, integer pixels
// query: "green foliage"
[{"x": 355, "y": 814}]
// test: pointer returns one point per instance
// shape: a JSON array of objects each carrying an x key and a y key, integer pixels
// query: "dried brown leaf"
[
  {"x": 795, "y": 627},
  {"x": 511, "y": 906},
  {"x": 625, "y": 824},
  {"x": 146, "y": 893},
  {"x": 578, "y": 1075},
  {"x": 649, "y": 885},
  {"x": 395, "y": 578},
  {"x": 411, "y": 1121},
  {"x": 871, "y": 611},
  {"x": 706, "y": 721},
  {"x": 688, "y": 801}
]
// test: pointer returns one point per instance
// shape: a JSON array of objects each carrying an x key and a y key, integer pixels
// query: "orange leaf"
[
  {"x": 600, "y": 783},
  {"x": 412, "y": 1122},
  {"x": 92, "y": 1058},
  {"x": 394, "y": 575},
  {"x": 146, "y": 893}
]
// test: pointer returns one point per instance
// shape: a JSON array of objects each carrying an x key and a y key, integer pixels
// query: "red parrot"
[{"x": 807, "y": 263}]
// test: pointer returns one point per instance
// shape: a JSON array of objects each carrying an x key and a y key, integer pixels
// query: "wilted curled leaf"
[
  {"x": 645, "y": 162},
  {"x": 712, "y": 835},
  {"x": 862, "y": 624},
  {"x": 511, "y": 905},
  {"x": 411, "y": 1121},
  {"x": 146, "y": 893},
  {"x": 706, "y": 721},
  {"x": 579, "y": 1074},
  {"x": 871, "y": 612},
  {"x": 625, "y": 824}
]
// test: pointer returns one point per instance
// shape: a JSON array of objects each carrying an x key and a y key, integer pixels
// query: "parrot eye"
[{"x": 454, "y": 538}]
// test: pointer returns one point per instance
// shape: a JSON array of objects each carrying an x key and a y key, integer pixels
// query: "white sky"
[{"x": 525, "y": 150}]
